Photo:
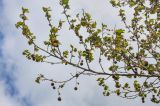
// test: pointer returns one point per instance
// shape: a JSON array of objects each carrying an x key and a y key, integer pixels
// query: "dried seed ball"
[
  {"x": 33, "y": 57},
  {"x": 77, "y": 75},
  {"x": 115, "y": 62},
  {"x": 145, "y": 63},
  {"x": 81, "y": 63},
  {"x": 75, "y": 88},
  {"x": 54, "y": 87},
  {"x": 143, "y": 100},
  {"x": 81, "y": 39},
  {"x": 59, "y": 99},
  {"x": 52, "y": 84}
]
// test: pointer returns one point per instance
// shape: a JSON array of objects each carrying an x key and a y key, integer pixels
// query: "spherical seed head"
[
  {"x": 75, "y": 88},
  {"x": 59, "y": 98},
  {"x": 77, "y": 75},
  {"x": 143, "y": 100},
  {"x": 115, "y": 62},
  {"x": 54, "y": 87},
  {"x": 81, "y": 63},
  {"x": 52, "y": 84}
]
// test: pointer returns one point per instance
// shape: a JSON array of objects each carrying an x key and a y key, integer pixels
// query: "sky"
[{"x": 17, "y": 74}]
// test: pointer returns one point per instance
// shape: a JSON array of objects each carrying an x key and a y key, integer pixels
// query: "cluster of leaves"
[{"x": 133, "y": 50}]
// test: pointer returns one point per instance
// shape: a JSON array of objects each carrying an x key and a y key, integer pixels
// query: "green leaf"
[
  {"x": 132, "y": 3},
  {"x": 54, "y": 30},
  {"x": 113, "y": 2},
  {"x": 65, "y": 54},
  {"x": 38, "y": 80},
  {"x": 18, "y": 24},
  {"x": 119, "y": 31},
  {"x": 25, "y": 10},
  {"x": 65, "y": 2},
  {"x": 121, "y": 12},
  {"x": 88, "y": 16},
  {"x": 118, "y": 92},
  {"x": 94, "y": 25}
]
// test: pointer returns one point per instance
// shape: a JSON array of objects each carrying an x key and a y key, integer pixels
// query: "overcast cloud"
[{"x": 17, "y": 74}]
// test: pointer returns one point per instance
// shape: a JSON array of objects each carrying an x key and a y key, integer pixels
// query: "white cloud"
[{"x": 6, "y": 100}]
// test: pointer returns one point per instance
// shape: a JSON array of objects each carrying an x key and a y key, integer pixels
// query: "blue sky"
[
  {"x": 17, "y": 74},
  {"x": 7, "y": 73}
]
